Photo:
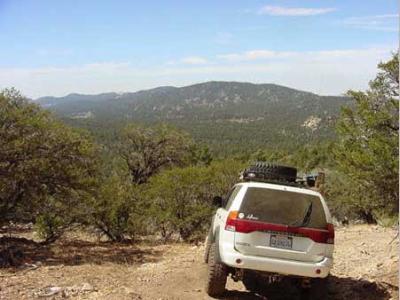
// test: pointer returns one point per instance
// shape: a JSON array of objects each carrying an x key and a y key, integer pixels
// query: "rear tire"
[
  {"x": 217, "y": 274},
  {"x": 207, "y": 250}
]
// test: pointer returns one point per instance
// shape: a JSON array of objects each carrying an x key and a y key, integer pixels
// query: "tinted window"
[
  {"x": 232, "y": 196},
  {"x": 283, "y": 207}
]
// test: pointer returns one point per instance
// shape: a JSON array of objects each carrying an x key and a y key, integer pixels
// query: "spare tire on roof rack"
[{"x": 263, "y": 171}]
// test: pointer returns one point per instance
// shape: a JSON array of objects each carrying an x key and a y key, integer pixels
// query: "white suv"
[{"x": 268, "y": 229}]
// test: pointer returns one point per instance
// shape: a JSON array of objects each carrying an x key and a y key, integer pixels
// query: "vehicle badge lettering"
[{"x": 251, "y": 217}]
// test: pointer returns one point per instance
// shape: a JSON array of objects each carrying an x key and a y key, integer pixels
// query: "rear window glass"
[
  {"x": 232, "y": 196},
  {"x": 283, "y": 207}
]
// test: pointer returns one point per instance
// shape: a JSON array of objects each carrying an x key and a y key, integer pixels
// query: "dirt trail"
[{"x": 366, "y": 267}]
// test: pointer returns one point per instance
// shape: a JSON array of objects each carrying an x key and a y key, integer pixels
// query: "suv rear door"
[
  {"x": 222, "y": 212},
  {"x": 282, "y": 224}
]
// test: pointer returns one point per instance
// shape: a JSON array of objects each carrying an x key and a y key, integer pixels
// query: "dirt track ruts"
[{"x": 366, "y": 267}]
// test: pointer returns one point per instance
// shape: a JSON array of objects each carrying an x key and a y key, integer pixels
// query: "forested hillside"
[{"x": 230, "y": 117}]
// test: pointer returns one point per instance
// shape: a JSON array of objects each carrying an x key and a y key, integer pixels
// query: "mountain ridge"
[
  {"x": 216, "y": 113},
  {"x": 39, "y": 99}
]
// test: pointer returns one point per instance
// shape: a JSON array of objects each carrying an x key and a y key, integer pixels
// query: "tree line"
[{"x": 156, "y": 180}]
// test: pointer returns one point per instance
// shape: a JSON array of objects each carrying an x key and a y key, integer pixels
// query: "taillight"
[
  {"x": 330, "y": 239},
  {"x": 231, "y": 221},
  {"x": 323, "y": 236}
]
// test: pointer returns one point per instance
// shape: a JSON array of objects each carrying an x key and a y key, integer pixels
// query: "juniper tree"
[{"x": 367, "y": 151}]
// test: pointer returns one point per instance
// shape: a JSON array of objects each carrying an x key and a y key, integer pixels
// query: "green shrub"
[
  {"x": 49, "y": 227},
  {"x": 181, "y": 198},
  {"x": 47, "y": 169},
  {"x": 114, "y": 207}
]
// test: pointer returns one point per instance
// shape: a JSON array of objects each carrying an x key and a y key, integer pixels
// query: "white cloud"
[
  {"x": 255, "y": 55},
  {"x": 388, "y": 22},
  {"x": 323, "y": 72},
  {"x": 87, "y": 78},
  {"x": 293, "y": 11},
  {"x": 194, "y": 60}
]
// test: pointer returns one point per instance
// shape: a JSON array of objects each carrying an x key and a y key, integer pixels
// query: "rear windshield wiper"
[{"x": 306, "y": 219}]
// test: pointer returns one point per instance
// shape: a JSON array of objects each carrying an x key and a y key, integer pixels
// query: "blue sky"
[{"x": 59, "y": 47}]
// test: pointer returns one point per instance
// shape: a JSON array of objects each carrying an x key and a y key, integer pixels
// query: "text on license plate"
[{"x": 281, "y": 241}]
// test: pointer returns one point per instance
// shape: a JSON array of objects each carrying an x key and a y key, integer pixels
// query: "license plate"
[{"x": 281, "y": 241}]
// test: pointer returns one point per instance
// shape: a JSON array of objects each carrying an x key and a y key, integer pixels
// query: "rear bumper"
[{"x": 229, "y": 256}]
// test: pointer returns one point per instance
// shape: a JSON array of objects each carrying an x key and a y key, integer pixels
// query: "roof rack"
[{"x": 299, "y": 184}]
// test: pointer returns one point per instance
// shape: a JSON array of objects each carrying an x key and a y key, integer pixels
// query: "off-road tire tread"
[
  {"x": 269, "y": 171},
  {"x": 217, "y": 274},
  {"x": 206, "y": 250}
]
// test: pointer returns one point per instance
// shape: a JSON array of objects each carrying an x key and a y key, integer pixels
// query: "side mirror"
[{"x": 217, "y": 201}]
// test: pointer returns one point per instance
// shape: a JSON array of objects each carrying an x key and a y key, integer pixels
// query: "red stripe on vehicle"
[{"x": 325, "y": 236}]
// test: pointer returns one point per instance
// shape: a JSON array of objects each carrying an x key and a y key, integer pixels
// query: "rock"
[
  {"x": 135, "y": 296},
  {"x": 394, "y": 258},
  {"x": 27, "y": 266},
  {"x": 50, "y": 291},
  {"x": 87, "y": 287}
]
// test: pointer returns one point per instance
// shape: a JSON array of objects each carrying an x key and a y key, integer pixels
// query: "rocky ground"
[{"x": 366, "y": 267}]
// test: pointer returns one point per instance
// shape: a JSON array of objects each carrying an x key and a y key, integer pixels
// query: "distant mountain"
[
  {"x": 50, "y": 101},
  {"x": 221, "y": 114}
]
